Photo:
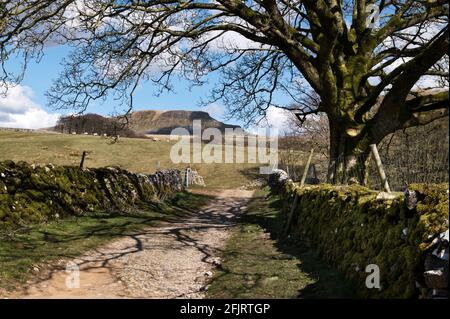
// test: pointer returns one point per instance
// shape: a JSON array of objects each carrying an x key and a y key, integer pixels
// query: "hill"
[
  {"x": 163, "y": 122},
  {"x": 137, "y": 123}
]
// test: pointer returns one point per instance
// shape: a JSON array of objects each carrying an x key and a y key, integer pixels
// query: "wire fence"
[
  {"x": 402, "y": 166},
  {"x": 417, "y": 165}
]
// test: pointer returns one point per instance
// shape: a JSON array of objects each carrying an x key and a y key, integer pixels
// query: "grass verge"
[
  {"x": 257, "y": 263},
  {"x": 40, "y": 245}
]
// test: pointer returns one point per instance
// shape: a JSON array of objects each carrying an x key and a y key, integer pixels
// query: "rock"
[
  {"x": 194, "y": 177},
  {"x": 208, "y": 274},
  {"x": 278, "y": 178},
  {"x": 386, "y": 196},
  {"x": 214, "y": 261},
  {"x": 410, "y": 199},
  {"x": 441, "y": 253},
  {"x": 444, "y": 236},
  {"x": 269, "y": 280},
  {"x": 404, "y": 232},
  {"x": 436, "y": 279},
  {"x": 255, "y": 184},
  {"x": 433, "y": 262}
]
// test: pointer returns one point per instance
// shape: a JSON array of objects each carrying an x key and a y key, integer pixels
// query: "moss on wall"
[
  {"x": 33, "y": 194},
  {"x": 351, "y": 228}
]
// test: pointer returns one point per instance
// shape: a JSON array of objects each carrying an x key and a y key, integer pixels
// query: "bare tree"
[{"x": 349, "y": 52}]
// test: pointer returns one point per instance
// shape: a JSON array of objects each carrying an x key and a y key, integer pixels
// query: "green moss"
[
  {"x": 351, "y": 229},
  {"x": 35, "y": 194}
]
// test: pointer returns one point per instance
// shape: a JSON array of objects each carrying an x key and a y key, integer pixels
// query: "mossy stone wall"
[
  {"x": 353, "y": 227},
  {"x": 33, "y": 194}
]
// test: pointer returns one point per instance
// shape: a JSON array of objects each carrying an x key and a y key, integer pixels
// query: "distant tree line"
[{"x": 94, "y": 124}]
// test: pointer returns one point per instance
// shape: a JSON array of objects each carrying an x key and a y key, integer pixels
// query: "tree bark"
[{"x": 349, "y": 156}]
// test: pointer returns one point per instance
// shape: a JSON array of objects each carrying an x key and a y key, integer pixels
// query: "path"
[{"x": 174, "y": 260}]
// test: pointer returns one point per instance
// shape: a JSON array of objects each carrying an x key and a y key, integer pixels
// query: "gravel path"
[{"x": 174, "y": 260}]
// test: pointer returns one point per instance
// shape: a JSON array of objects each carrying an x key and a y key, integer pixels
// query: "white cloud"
[
  {"x": 18, "y": 110},
  {"x": 215, "y": 111},
  {"x": 276, "y": 120}
]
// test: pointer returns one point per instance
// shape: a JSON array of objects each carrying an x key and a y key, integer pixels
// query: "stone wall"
[
  {"x": 33, "y": 194},
  {"x": 404, "y": 234}
]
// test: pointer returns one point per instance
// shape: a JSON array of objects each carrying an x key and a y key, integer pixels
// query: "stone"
[
  {"x": 386, "y": 196},
  {"x": 278, "y": 178},
  {"x": 444, "y": 236},
  {"x": 432, "y": 262},
  {"x": 441, "y": 253},
  {"x": 98, "y": 187},
  {"x": 410, "y": 199},
  {"x": 435, "y": 279}
]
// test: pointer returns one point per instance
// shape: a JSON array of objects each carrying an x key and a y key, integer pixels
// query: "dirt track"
[{"x": 174, "y": 260}]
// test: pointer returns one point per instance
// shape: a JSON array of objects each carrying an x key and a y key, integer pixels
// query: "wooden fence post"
[
  {"x": 82, "y": 159},
  {"x": 305, "y": 172},
  {"x": 187, "y": 176},
  {"x": 380, "y": 168},
  {"x": 291, "y": 213}
]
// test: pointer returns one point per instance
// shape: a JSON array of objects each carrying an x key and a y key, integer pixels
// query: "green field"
[{"x": 136, "y": 155}]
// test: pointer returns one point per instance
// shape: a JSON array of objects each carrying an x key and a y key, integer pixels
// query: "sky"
[{"x": 25, "y": 105}]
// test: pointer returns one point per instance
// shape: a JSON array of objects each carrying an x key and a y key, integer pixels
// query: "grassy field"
[
  {"x": 136, "y": 155},
  {"x": 39, "y": 245},
  {"x": 258, "y": 263}
]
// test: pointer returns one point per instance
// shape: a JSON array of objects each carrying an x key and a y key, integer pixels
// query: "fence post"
[
  {"x": 380, "y": 168},
  {"x": 305, "y": 172},
  {"x": 188, "y": 172},
  {"x": 291, "y": 213},
  {"x": 82, "y": 159}
]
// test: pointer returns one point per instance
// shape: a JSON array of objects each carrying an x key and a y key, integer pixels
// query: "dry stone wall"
[
  {"x": 404, "y": 234},
  {"x": 33, "y": 194}
]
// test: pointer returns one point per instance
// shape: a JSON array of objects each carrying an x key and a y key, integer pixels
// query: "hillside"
[
  {"x": 163, "y": 122},
  {"x": 139, "y": 123}
]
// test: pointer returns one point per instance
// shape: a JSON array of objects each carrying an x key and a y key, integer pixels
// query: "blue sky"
[{"x": 30, "y": 95}]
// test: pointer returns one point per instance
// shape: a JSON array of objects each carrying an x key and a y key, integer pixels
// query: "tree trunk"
[{"x": 349, "y": 157}]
